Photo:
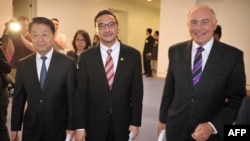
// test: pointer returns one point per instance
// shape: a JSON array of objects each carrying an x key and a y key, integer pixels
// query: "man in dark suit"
[
  {"x": 49, "y": 112},
  {"x": 244, "y": 114},
  {"x": 197, "y": 110},
  {"x": 108, "y": 110},
  {"x": 147, "y": 52}
]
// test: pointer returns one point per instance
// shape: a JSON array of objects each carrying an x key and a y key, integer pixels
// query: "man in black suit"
[
  {"x": 244, "y": 114},
  {"x": 4, "y": 97},
  {"x": 147, "y": 52},
  {"x": 108, "y": 110},
  {"x": 198, "y": 110},
  {"x": 49, "y": 112}
]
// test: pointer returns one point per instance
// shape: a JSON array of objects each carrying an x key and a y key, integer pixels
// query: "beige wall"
[{"x": 5, "y": 13}]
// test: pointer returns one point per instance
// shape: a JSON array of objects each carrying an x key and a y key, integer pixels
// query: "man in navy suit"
[
  {"x": 49, "y": 112},
  {"x": 244, "y": 112},
  {"x": 198, "y": 111},
  {"x": 105, "y": 110}
]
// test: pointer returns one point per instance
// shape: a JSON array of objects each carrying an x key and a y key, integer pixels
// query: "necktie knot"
[
  {"x": 199, "y": 50},
  {"x": 44, "y": 58},
  {"x": 109, "y": 52}
]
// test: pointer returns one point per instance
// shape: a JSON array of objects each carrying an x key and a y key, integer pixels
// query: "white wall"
[{"x": 233, "y": 15}]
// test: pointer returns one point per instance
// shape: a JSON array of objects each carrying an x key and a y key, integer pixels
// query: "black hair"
[
  {"x": 42, "y": 20},
  {"x": 218, "y": 30},
  {"x": 149, "y": 30},
  {"x": 105, "y": 12}
]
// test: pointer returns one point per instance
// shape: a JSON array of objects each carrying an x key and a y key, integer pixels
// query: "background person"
[
  {"x": 218, "y": 33},
  {"x": 198, "y": 110},
  {"x": 60, "y": 39},
  {"x": 4, "y": 97},
  {"x": 243, "y": 116},
  {"x": 155, "y": 52},
  {"x": 80, "y": 43},
  {"x": 96, "y": 40},
  {"x": 147, "y": 52}
]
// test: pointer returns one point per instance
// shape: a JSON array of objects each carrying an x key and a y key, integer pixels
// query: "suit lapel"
[
  {"x": 53, "y": 67},
  {"x": 185, "y": 56},
  {"x": 213, "y": 62},
  {"x": 97, "y": 58},
  {"x": 120, "y": 63},
  {"x": 33, "y": 71}
]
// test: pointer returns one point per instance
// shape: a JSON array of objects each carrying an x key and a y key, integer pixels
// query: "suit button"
[
  {"x": 192, "y": 100},
  {"x": 41, "y": 101}
]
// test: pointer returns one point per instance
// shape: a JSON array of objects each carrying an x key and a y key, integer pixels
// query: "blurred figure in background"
[
  {"x": 60, "y": 39},
  {"x": 244, "y": 112},
  {"x": 96, "y": 40},
  {"x": 147, "y": 52},
  {"x": 18, "y": 44},
  {"x": 4, "y": 96},
  {"x": 217, "y": 33},
  {"x": 80, "y": 42},
  {"x": 155, "y": 52}
]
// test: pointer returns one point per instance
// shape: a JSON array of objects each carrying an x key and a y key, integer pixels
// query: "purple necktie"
[{"x": 197, "y": 66}]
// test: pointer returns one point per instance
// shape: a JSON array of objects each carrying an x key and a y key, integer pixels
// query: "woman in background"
[{"x": 81, "y": 42}]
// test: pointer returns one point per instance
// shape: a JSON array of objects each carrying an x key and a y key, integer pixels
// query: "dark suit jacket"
[
  {"x": 244, "y": 112},
  {"x": 148, "y": 46},
  {"x": 49, "y": 111},
  {"x": 94, "y": 98},
  {"x": 183, "y": 106}
]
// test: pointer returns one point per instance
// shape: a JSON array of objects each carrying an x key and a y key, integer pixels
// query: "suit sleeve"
[
  {"x": 71, "y": 84},
  {"x": 137, "y": 93},
  {"x": 81, "y": 94},
  {"x": 168, "y": 91}
]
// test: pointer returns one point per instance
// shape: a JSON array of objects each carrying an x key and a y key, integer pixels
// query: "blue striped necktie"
[{"x": 197, "y": 66}]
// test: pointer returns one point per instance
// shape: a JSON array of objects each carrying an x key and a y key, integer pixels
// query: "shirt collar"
[{"x": 207, "y": 46}]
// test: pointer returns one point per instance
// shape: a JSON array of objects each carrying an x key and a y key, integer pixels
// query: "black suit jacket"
[
  {"x": 49, "y": 110},
  {"x": 148, "y": 45},
  {"x": 94, "y": 98},
  {"x": 244, "y": 112},
  {"x": 183, "y": 106}
]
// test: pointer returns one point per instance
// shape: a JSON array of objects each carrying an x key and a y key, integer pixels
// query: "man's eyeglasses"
[{"x": 102, "y": 26}]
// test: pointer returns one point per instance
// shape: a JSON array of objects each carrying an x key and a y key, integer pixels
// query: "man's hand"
[
  {"x": 14, "y": 136},
  {"x": 202, "y": 132},
  {"x": 134, "y": 130},
  {"x": 80, "y": 135},
  {"x": 160, "y": 126}
]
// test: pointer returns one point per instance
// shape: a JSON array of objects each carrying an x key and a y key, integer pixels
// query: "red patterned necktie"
[{"x": 109, "y": 68}]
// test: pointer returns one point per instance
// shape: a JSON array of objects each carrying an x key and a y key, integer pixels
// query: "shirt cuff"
[
  {"x": 80, "y": 129},
  {"x": 214, "y": 129}
]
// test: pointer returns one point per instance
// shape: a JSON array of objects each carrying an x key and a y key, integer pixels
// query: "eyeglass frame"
[{"x": 102, "y": 26}]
